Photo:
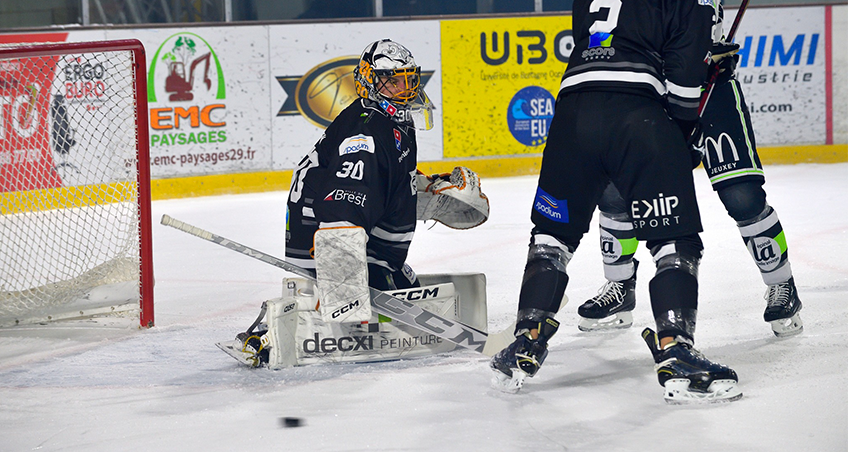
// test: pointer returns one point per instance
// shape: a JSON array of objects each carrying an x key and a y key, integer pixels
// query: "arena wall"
[{"x": 234, "y": 107}]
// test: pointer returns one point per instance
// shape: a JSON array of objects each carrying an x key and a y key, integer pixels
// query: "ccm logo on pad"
[{"x": 344, "y": 309}]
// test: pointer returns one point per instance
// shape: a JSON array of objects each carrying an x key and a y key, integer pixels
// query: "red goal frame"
[{"x": 146, "y": 317}]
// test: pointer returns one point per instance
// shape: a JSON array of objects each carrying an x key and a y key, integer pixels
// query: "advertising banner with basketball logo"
[{"x": 314, "y": 77}]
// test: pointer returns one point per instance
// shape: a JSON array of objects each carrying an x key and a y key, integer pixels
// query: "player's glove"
[
  {"x": 722, "y": 50},
  {"x": 724, "y": 59},
  {"x": 453, "y": 199}
]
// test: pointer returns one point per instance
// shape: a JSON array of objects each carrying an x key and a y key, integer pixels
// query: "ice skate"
[
  {"x": 783, "y": 306},
  {"x": 688, "y": 376},
  {"x": 247, "y": 348},
  {"x": 522, "y": 358},
  {"x": 611, "y": 308},
  {"x": 507, "y": 374}
]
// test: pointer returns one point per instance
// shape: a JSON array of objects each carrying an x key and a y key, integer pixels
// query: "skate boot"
[
  {"x": 522, "y": 358},
  {"x": 783, "y": 306},
  {"x": 254, "y": 351},
  {"x": 611, "y": 308},
  {"x": 688, "y": 376}
]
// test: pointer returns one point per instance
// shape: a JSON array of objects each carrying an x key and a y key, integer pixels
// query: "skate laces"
[
  {"x": 612, "y": 292},
  {"x": 778, "y": 294}
]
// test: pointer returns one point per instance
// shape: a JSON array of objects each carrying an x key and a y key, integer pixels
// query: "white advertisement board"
[
  {"x": 312, "y": 69},
  {"x": 208, "y": 94},
  {"x": 782, "y": 71}
]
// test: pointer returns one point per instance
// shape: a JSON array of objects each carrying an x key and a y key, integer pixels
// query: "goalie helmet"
[{"x": 388, "y": 75}]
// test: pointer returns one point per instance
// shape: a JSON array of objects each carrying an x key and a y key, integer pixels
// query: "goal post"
[{"x": 75, "y": 221}]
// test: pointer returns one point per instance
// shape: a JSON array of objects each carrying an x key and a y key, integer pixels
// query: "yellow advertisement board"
[{"x": 500, "y": 78}]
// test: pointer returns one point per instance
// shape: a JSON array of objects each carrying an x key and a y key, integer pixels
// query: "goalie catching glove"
[{"x": 453, "y": 199}]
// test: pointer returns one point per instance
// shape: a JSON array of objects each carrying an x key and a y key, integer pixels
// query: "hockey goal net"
[{"x": 75, "y": 236}]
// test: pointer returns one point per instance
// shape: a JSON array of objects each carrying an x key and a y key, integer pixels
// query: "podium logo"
[{"x": 550, "y": 207}]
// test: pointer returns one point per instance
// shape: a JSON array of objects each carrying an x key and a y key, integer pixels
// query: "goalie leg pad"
[
  {"x": 342, "y": 274},
  {"x": 299, "y": 335}
]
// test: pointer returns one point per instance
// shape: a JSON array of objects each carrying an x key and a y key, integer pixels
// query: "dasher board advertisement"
[
  {"x": 782, "y": 71},
  {"x": 311, "y": 66}
]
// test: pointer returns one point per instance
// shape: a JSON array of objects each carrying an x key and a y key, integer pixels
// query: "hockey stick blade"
[{"x": 383, "y": 303}]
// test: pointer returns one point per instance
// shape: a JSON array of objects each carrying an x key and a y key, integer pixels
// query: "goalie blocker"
[{"x": 294, "y": 333}]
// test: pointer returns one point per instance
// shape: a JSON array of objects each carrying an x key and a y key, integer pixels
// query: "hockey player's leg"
[
  {"x": 763, "y": 236},
  {"x": 685, "y": 374},
  {"x": 542, "y": 292},
  {"x": 611, "y": 308}
]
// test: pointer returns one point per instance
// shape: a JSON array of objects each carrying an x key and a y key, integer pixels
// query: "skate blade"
[
  {"x": 677, "y": 392},
  {"x": 787, "y": 327},
  {"x": 616, "y": 321},
  {"x": 505, "y": 383},
  {"x": 245, "y": 358}
]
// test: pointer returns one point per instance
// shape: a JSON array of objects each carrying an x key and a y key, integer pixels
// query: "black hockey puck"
[{"x": 291, "y": 422}]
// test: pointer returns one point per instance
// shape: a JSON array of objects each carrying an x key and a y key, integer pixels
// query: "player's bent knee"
[
  {"x": 743, "y": 201},
  {"x": 544, "y": 247}
]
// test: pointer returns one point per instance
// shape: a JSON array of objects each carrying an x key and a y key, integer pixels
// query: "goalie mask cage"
[{"x": 75, "y": 235}]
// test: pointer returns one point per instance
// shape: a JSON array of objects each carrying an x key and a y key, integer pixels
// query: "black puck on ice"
[{"x": 291, "y": 422}]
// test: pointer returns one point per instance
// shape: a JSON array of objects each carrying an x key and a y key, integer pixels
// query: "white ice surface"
[{"x": 114, "y": 388}]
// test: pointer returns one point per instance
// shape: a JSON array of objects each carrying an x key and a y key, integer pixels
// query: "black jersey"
[
  {"x": 649, "y": 47},
  {"x": 360, "y": 173}
]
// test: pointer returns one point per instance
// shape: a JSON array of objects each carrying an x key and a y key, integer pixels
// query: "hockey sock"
[
  {"x": 543, "y": 285},
  {"x": 674, "y": 289},
  {"x": 764, "y": 238},
  {"x": 618, "y": 245},
  {"x": 674, "y": 301}
]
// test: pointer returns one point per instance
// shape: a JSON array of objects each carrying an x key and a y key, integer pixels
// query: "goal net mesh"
[{"x": 69, "y": 195}]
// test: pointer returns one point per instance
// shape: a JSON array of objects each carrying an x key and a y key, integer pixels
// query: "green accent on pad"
[
  {"x": 781, "y": 241},
  {"x": 628, "y": 246}
]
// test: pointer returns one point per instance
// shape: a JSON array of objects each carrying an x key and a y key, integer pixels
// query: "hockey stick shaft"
[
  {"x": 714, "y": 76},
  {"x": 739, "y": 13},
  {"x": 383, "y": 303}
]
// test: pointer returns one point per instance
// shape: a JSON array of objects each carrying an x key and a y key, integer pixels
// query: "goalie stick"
[{"x": 382, "y": 303}]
